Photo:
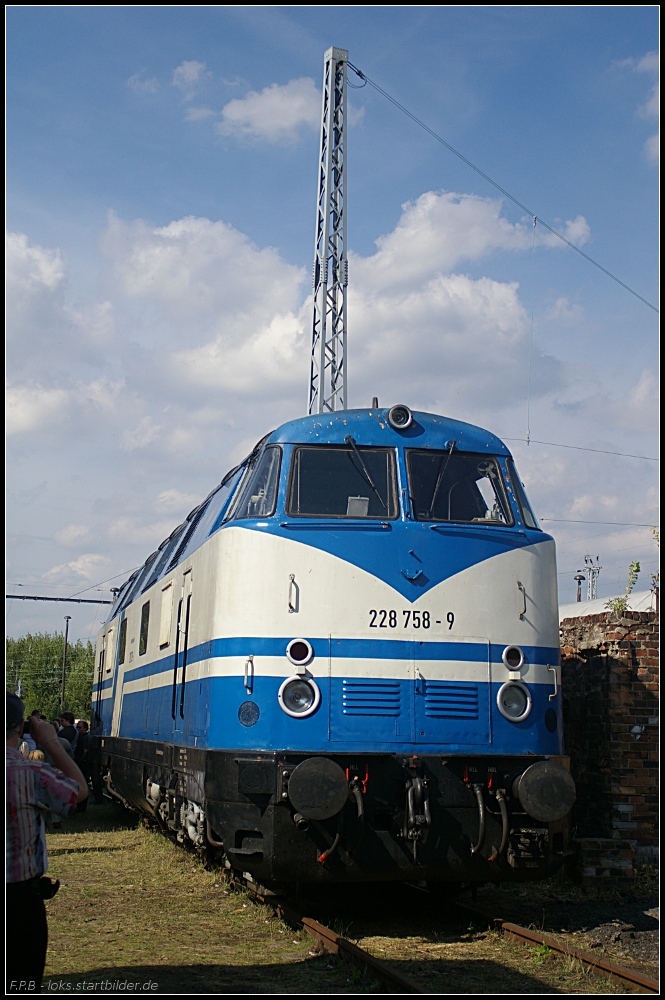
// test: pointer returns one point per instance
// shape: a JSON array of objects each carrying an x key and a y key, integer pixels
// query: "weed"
[
  {"x": 541, "y": 952},
  {"x": 340, "y": 927}
]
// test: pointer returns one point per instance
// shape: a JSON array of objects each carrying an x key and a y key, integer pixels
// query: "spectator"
[
  {"x": 33, "y": 787},
  {"x": 81, "y": 757},
  {"x": 95, "y": 767},
  {"x": 67, "y": 747},
  {"x": 69, "y": 731},
  {"x": 65, "y": 744},
  {"x": 83, "y": 744}
]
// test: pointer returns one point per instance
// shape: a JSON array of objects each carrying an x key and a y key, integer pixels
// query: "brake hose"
[{"x": 478, "y": 789}]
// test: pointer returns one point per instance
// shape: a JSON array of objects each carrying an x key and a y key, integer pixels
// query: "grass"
[
  {"x": 484, "y": 962},
  {"x": 134, "y": 906}
]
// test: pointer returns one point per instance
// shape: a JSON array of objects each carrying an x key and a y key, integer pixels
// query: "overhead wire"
[
  {"x": 576, "y": 447},
  {"x": 574, "y": 520},
  {"x": 490, "y": 180},
  {"x": 108, "y": 580}
]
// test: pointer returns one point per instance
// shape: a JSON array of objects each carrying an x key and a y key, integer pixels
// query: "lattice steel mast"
[{"x": 327, "y": 383}]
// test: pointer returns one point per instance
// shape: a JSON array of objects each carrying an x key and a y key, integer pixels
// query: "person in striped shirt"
[{"x": 34, "y": 788}]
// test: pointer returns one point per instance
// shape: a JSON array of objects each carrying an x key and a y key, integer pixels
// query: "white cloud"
[
  {"x": 30, "y": 407},
  {"x": 650, "y": 63},
  {"x": 442, "y": 229},
  {"x": 31, "y": 267},
  {"x": 632, "y": 407},
  {"x": 566, "y": 312},
  {"x": 73, "y": 534},
  {"x": 142, "y": 85},
  {"x": 141, "y": 435},
  {"x": 575, "y": 230},
  {"x": 200, "y": 273},
  {"x": 85, "y": 568},
  {"x": 198, "y": 114},
  {"x": 103, "y": 392},
  {"x": 135, "y": 531},
  {"x": 270, "y": 357},
  {"x": 173, "y": 500},
  {"x": 188, "y": 75},
  {"x": 276, "y": 113}
]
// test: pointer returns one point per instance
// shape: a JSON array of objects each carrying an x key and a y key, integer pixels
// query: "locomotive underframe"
[{"x": 240, "y": 800}]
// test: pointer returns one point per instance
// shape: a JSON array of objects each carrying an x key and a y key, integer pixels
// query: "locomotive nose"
[
  {"x": 546, "y": 791},
  {"x": 318, "y": 788}
]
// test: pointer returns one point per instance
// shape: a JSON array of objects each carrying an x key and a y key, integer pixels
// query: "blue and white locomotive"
[{"x": 344, "y": 665}]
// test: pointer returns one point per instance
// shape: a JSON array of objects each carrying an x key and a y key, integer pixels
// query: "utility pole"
[
  {"x": 593, "y": 572},
  {"x": 327, "y": 383},
  {"x": 68, "y": 618}
]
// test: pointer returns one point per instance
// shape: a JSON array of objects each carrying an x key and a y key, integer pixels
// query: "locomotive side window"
[
  {"x": 143, "y": 635},
  {"x": 166, "y": 615},
  {"x": 165, "y": 551},
  {"x": 134, "y": 583},
  {"x": 123, "y": 641},
  {"x": 343, "y": 482},
  {"x": 259, "y": 497},
  {"x": 527, "y": 513},
  {"x": 457, "y": 486},
  {"x": 229, "y": 488}
]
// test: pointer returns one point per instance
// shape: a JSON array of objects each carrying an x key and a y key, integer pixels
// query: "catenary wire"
[
  {"x": 577, "y": 447},
  {"x": 108, "y": 580},
  {"x": 574, "y": 520},
  {"x": 503, "y": 191}
]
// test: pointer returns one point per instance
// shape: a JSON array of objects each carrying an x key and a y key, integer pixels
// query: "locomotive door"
[
  {"x": 371, "y": 695},
  {"x": 183, "y": 617},
  {"x": 452, "y": 691}
]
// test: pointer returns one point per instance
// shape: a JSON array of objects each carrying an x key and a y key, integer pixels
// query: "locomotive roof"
[
  {"x": 368, "y": 427},
  {"x": 371, "y": 427}
]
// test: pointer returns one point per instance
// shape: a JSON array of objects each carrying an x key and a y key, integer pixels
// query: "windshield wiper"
[
  {"x": 442, "y": 472},
  {"x": 370, "y": 482}
]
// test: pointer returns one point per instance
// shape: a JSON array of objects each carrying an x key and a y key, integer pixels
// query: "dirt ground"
[
  {"x": 136, "y": 908},
  {"x": 619, "y": 922}
]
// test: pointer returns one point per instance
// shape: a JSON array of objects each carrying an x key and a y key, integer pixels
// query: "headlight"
[
  {"x": 299, "y": 652},
  {"x": 400, "y": 417},
  {"x": 299, "y": 697},
  {"x": 514, "y": 701},
  {"x": 513, "y": 657}
]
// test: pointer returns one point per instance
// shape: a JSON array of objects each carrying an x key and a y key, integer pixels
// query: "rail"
[
  {"x": 334, "y": 944},
  {"x": 599, "y": 966}
]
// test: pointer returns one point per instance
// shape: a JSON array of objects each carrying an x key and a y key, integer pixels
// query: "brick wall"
[{"x": 610, "y": 707}]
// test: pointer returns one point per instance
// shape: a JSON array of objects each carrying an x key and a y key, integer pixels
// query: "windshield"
[
  {"x": 260, "y": 496},
  {"x": 343, "y": 482},
  {"x": 453, "y": 486},
  {"x": 526, "y": 510}
]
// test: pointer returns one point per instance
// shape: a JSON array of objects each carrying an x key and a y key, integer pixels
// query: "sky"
[{"x": 161, "y": 195}]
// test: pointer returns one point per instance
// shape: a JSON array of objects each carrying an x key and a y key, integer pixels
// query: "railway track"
[
  {"x": 635, "y": 981},
  {"x": 327, "y": 940}
]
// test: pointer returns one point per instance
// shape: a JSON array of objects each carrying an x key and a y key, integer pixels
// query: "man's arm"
[{"x": 44, "y": 734}]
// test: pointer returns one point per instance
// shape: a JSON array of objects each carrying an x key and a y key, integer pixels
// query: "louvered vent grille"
[
  {"x": 446, "y": 700},
  {"x": 371, "y": 697}
]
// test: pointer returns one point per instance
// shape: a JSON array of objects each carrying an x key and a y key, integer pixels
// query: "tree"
[{"x": 34, "y": 670}]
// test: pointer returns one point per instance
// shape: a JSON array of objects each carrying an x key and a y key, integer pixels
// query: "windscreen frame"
[
  {"x": 456, "y": 455},
  {"x": 394, "y": 485}
]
